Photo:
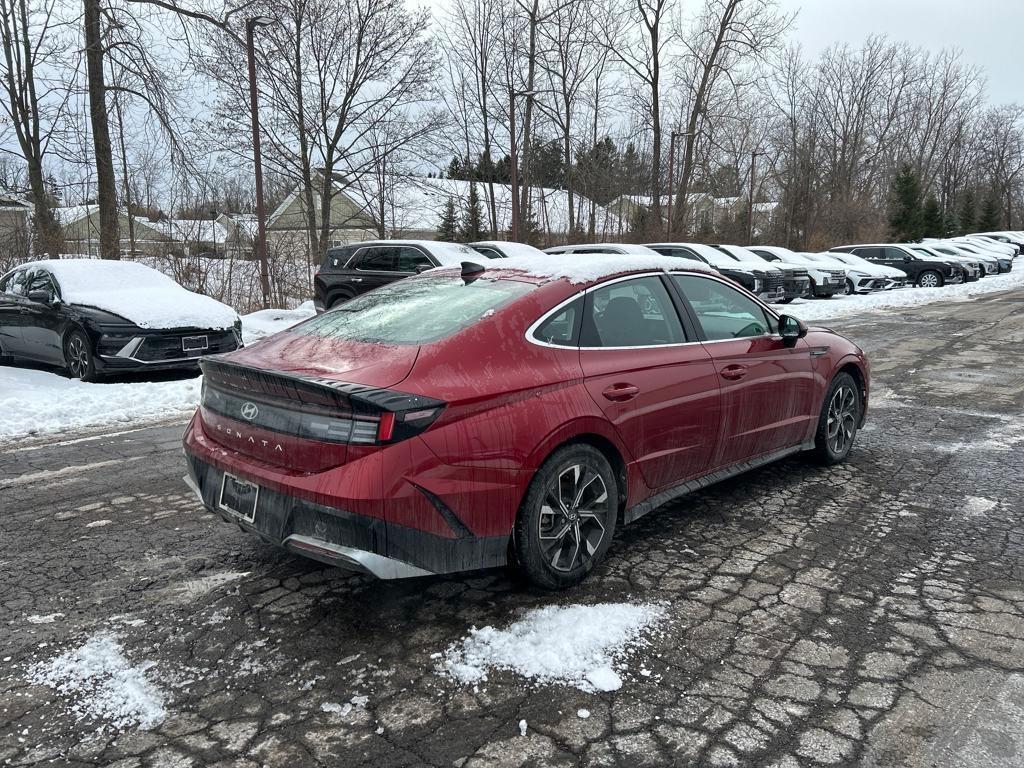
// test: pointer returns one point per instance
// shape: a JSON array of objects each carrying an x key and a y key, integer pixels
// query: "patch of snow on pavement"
[
  {"x": 101, "y": 683},
  {"x": 258, "y": 325},
  {"x": 522, "y": 727},
  {"x": 845, "y": 306},
  {"x": 194, "y": 588},
  {"x": 977, "y": 506},
  {"x": 37, "y": 402},
  {"x": 47, "y": 619},
  {"x": 577, "y": 645}
]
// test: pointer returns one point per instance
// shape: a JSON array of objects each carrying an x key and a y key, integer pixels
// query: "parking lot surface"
[{"x": 870, "y": 613}]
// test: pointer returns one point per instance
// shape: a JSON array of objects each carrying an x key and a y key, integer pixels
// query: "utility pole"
[{"x": 261, "y": 222}]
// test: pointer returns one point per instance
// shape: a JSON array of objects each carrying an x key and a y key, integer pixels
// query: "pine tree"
[
  {"x": 989, "y": 215},
  {"x": 933, "y": 223},
  {"x": 472, "y": 226},
  {"x": 968, "y": 213},
  {"x": 447, "y": 230},
  {"x": 905, "y": 205}
]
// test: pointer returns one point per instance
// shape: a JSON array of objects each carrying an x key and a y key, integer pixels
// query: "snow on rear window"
[
  {"x": 578, "y": 645},
  {"x": 415, "y": 310}
]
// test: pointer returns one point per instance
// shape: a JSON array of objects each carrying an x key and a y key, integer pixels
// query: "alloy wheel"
[
  {"x": 573, "y": 516},
  {"x": 929, "y": 280},
  {"x": 842, "y": 420},
  {"x": 78, "y": 357}
]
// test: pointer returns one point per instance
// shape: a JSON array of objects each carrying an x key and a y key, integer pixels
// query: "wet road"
[{"x": 871, "y": 613}]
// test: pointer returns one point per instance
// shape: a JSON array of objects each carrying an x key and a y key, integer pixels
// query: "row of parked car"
[{"x": 773, "y": 273}]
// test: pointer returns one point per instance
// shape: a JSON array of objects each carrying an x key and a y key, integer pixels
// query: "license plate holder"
[
  {"x": 195, "y": 343},
  {"x": 238, "y": 497}
]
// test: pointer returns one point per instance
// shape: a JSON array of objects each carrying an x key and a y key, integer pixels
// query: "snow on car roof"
[
  {"x": 511, "y": 248},
  {"x": 579, "y": 268},
  {"x": 142, "y": 295}
]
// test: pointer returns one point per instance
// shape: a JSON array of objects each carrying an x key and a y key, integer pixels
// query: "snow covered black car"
[{"x": 101, "y": 317}]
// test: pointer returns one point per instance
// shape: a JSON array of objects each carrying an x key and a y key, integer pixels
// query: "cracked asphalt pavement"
[{"x": 870, "y": 613}]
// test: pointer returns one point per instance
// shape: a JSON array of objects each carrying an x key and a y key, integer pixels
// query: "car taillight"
[{"x": 318, "y": 409}]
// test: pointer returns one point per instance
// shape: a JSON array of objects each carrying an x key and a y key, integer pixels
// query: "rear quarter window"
[{"x": 336, "y": 259}]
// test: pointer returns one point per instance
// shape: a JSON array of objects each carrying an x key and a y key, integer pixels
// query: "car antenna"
[{"x": 471, "y": 271}]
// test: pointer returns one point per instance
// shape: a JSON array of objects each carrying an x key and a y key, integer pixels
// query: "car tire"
[
  {"x": 787, "y": 301},
  {"x": 929, "y": 279},
  {"x": 78, "y": 359},
  {"x": 567, "y": 519},
  {"x": 838, "y": 420},
  {"x": 341, "y": 298},
  {"x": 849, "y": 290}
]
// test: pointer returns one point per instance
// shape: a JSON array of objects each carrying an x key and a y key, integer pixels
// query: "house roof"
[{"x": 417, "y": 203}]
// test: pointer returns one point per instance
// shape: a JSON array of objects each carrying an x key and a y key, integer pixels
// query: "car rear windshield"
[{"x": 415, "y": 311}]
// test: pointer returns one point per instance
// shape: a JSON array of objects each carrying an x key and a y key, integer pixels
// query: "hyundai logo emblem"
[{"x": 250, "y": 411}]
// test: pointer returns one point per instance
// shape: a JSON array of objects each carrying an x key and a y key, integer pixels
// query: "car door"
[
  {"x": 12, "y": 316},
  {"x": 653, "y": 382},
  {"x": 42, "y": 320},
  {"x": 767, "y": 388}
]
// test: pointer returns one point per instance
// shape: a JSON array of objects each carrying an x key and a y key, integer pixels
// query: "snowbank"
[
  {"x": 577, "y": 645},
  {"x": 99, "y": 682},
  {"x": 846, "y": 306},
  {"x": 37, "y": 402},
  {"x": 142, "y": 295}
]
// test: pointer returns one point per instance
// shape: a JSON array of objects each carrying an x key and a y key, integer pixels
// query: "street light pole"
[{"x": 261, "y": 224}]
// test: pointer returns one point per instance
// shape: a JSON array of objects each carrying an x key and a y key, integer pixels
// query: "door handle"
[
  {"x": 734, "y": 372},
  {"x": 621, "y": 392}
]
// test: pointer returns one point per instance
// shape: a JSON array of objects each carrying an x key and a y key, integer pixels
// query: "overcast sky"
[{"x": 988, "y": 31}]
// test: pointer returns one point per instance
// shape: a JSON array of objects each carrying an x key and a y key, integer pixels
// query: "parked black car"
[
  {"x": 505, "y": 249},
  {"x": 350, "y": 270},
  {"x": 94, "y": 318},
  {"x": 924, "y": 273}
]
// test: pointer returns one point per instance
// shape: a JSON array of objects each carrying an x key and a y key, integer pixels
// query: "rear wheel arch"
[
  {"x": 339, "y": 295},
  {"x": 587, "y": 434}
]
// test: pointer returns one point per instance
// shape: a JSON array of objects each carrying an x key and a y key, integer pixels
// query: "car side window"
[
  {"x": 337, "y": 258},
  {"x": 895, "y": 254},
  {"x": 411, "y": 258},
  {"x": 16, "y": 283},
  {"x": 723, "y": 313},
  {"x": 378, "y": 259},
  {"x": 630, "y": 313},
  {"x": 563, "y": 327},
  {"x": 40, "y": 280},
  {"x": 871, "y": 254},
  {"x": 490, "y": 253}
]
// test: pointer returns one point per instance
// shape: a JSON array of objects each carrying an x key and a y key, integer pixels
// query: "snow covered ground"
[
  {"x": 849, "y": 306},
  {"x": 40, "y": 402}
]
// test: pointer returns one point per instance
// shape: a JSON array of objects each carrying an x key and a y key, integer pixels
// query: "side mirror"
[
  {"x": 41, "y": 297},
  {"x": 421, "y": 268},
  {"x": 791, "y": 328},
  {"x": 906, "y": 258}
]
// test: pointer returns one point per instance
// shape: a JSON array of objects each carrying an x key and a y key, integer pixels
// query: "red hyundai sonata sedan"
[{"x": 513, "y": 413}]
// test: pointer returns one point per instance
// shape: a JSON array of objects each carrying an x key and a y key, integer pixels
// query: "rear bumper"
[
  {"x": 393, "y": 515},
  {"x": 347, "y": 540}
]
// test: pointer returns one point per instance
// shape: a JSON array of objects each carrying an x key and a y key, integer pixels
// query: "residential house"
[
  {"x": 699, "y": 209},
  {"x": 406, "y": 206},
  {"x": 15, "y": 226}
]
